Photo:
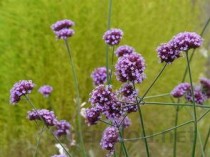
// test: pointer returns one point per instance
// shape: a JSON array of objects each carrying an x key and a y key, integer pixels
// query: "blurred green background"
[{"x": 29, "y": 50}]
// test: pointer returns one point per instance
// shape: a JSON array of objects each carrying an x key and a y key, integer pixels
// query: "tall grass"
[{"x": 29, "y": 51}]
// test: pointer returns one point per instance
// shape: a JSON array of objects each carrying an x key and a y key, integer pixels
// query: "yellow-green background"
[{"x": 29, "y": 50}]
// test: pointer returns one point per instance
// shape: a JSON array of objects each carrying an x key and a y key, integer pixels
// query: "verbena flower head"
[
  {"x": 129, "y": 104},
  {"x": 110, "y": 138},
  {"x": 102, "y": 96},
  {"x": 113, "y": 36},
  {"x": 43, "y": 114},
  {"x": 199, "y": 96},
  {"x": 187, "y": 40},
  {"x": 113, "y": 110},
  {"x": 92, "y": 115},
  {"x": 122, "y": 122},
  {"x": 167, "y": 52},
  {"x": 205, "y": 83},
  {"x": 19, "y": 89},
  {"x": 130, "y": 68},
  {"x": 99, "y": 76},
  {"x": 125, "y": 49},
  {"x": 59, "y": 25},
  {"x": 45, "y": 90},
  {"x": 64, "y": 33},
  {"x": 127, "y": 90},
  {"x": 63, "y": 128},
  {"x": 180, "y": 90}
]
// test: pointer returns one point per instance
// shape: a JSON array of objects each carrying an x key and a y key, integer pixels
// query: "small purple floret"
[
  {"x": 127, "y": 90},
  {"x": 123, "y": 50},
  {"x": 43, "y": 114},
  {"x": 205, "y": 83},
  {"x": 64, "y": 33},
  {"x": 199, "y": 96},
  {"x": 92, "y": 115},
  {"x": 63, "y": 128},
  {"x": 113, "y": 36},
  {"x": 180, "y": 90},
  {"x": 45, "y": 90},
  {"x": 19, "y": 89},
  {"x": 99, "y": 76},
  {"x": 130, "y": 68}
]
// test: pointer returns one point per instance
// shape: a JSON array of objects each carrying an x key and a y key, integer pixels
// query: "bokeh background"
[{"x": 29, "y": 50}]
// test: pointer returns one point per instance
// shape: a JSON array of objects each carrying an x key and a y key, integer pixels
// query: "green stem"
[
  {"x": 156, "y": 96},
  {"x": 33, "y": 107},
  {"x": 107, "y": 47},
  {"x": 76, "y": 86},
  {"x": 175, "y": 130},
  {"x": 194, "y": 107},
  {"x": 123, "y": 144},
  {"x": 206, "y": 141},
  {"x": 142, "y": 124},
  {"x": 38, "y": 140},
  {"x": 111, "y": 69}
]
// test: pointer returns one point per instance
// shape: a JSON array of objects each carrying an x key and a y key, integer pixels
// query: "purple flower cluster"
[
  {"x": 109, "y": 138},
  {"x": 180, "y": 90},
  {"x": 19, "y": 89},
  {"x": 47, "y": 116},
  {"x": 45, "y": 90},
  {"x": 168, "y": 52},
  {"x": 198, "y": 95},
  {"x": 130, "y": 68},
  {"x": 127, "y": 90},
  {"x": 102, "y": 97},
  {"x": 92, "y": 115},
  {"x": 113, "y": 36},
  {"x": 123, "y": 50},
  {"x": 63, "y": 128},
  {"x": 99, "y": 76},
  {"x": 187, "y": 40},
  {"x": 62, "y": 29}
]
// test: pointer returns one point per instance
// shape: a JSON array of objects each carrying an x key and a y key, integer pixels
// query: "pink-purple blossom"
[
  {"x": 62, "y": 128},
  {"x": 19, "y": 89},
  {"x": 123, "y": 50},
  {"x": 99, "y": 76},
  {"x": 127, "y": 90},
  {"x": 64, "y": 33},
  {"x": 113, "y": 36},
  {"x": 43, "y": 114},
  {"x": 59, "y": 25},
  {"x": 92, "y": 115},
  {"x": 180, "y": 90},
  {"x": 130, "y": 68},
  {"x": 45, "y": 90},
  {"x": 199, "y": 96}
]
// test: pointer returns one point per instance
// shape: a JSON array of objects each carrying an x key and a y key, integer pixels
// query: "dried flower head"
[
  {"x": 19, "y": 89},
  {"x": 130, "y": 68},
  {"x": 43, "y": 114},
  {"x": 45, "y": 90},
  {"x": 187, "y": 40},
  {"x": 123, "y": 50},
  {"x": 167, "y": 52},
  {"x": 180, "y": 90},
  {"x": 113, "y": 36},
  {"x": 99, "y": 76},
  {"x": 63, "y": 128},
  {"x": 59, "y": 25}
]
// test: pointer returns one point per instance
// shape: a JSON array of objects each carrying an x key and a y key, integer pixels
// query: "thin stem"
[
  {"x": 194, "y": 107},
  {"x": 38, "y": 140},
  {"x": 76, "y": 86},
  {"x": 107, "y": 47},
  {"x": 32, "y": 105},
  {"x": 154, "y": 81},
  {"x": 175, "y": 130},
  {"x": 123, "y": 144},
  {"x": 142, "y": 124},
  {"x": 206, "y": 140},
  {"x": 156, "y": 96},
  {"x": 111, "y": 69}
]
